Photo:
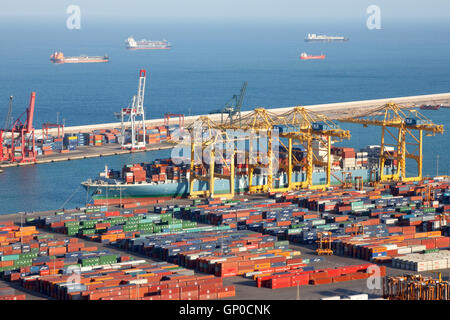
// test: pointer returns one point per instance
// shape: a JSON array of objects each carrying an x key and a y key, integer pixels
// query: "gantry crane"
[
  {"x": 415, "y": 287},
  {"x": 206, "y": 140},
  {"x": 262, "y": 129},
  {"x": 257, "y": 128},
  {"x": 169, "y": 115},
  {"x": 307, "y": 127},
  {"x": 4, "y": 156},
  {"x": 357, "y": 229},
  {"x": 22, "y": 148},
  {"x": 47, "y": 126},
  {"x": 8, "y": 117},
  {"x": 135, "y": 115},
  {"x": 233, "y": 107},
  {"x": 405, "y": 121},
  {"x": 324, "y": 241}
]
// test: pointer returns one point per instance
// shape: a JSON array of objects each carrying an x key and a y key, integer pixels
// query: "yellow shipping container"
[
  {"x": 421, "y": 235},
  {"x": 434, "y": 234},
  {"x": 262, "y": 266},
  {"x": 256, "y": 276}
]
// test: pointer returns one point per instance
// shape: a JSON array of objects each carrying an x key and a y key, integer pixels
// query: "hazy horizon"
[{"x": 229, "y": 9}]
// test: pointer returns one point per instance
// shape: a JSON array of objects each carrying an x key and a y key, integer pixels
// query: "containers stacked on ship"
[
  {"x": 362, "y": 159},
  {"x": 134, "y": 173},
  {"x": 347, "y": 157},
  {"x": 373, "y": 155}
]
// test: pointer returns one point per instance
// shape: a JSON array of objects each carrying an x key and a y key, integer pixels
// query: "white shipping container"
[
  {"x": 390, "y": 221},
  {"x": 139, "y": 281},
  {"x": 251, "y": 274},
  {"x": 362, "y": 296},
  {"x": 332, "y": 298},
  {"x": 418, "y": 248},
  {"x": 404, "y": 250},
  {"x": 390, "y": 246}
]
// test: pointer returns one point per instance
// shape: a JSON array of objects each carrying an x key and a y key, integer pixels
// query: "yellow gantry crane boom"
[
  {"x": 205, "y": 135},
  {"x": 257, "y": 126},
  {"x": 306, "y": 126},
  {"x": 405, "y": 121},
  {"x": 299, "y": 125}
]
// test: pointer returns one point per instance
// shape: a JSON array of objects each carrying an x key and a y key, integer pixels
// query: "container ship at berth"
[
  {"x": 143, "y": 44},
  {"x": 164, "y": 179},
  {"x": 58, "y": 57},
  {"x": 312, "y": 37},
  {"x": 305, "y": 56}
]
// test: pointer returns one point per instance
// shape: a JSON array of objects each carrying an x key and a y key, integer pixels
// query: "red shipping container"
[
  {"x": 300, "y": 279},
  {"x": 208, "y": 296},
  {"x": 170, "y": 296},
  {"x": 320, "y": 281}
]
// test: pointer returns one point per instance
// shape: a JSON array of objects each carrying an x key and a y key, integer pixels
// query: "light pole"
[{"x": 437, "y": 165}]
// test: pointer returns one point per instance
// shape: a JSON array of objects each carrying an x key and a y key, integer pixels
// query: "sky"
[{"x": 228, "y": 9}]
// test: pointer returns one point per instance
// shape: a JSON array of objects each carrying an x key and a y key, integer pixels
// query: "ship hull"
[
  {"x": 326, "y": 40},
  {"x": 60, "y": 61},
  {"x": 133, "y": 48},
  {"x": 180, "y": 189},
  {"x": 312, "y": 58},
  {"x": 437, "y": 107}
]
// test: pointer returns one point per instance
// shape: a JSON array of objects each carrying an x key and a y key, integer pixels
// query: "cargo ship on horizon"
[
  {"x": 144, "y": 44},
  {"x": 312, "y": 37},
  {"x": 305, "y": 56},
  {"x": 58, "y": 57},
  {"x": 430, "y": 107}
]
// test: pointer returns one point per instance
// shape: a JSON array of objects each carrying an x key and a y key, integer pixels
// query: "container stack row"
[
  {"x": 224, "y": 253},
  {"x": 319, "y": 276},
  {"x": 9, "y": 293},
  {"x": 70, "y": 141},
  {"x": 136, "y": 280},
  {"x": 26, "y": 252},
  {"x": 423, "y": 262},
  {"x": 97, "y": 224}
]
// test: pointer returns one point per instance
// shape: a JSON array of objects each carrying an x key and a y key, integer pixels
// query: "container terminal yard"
[
  {"x": 238, "y": 230},
  {"x": 257, "y": 247}
]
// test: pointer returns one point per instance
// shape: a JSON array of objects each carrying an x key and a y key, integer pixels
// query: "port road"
[{"x": 332, "y": 110}]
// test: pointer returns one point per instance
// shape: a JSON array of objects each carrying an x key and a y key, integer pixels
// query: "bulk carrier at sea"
[
  {"x": 305, "y": 56},
  {"x": 58, "y": 57},
  {"x": 312, "y": 37},
  {"x": 143, "y": 44}
]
